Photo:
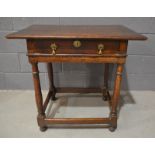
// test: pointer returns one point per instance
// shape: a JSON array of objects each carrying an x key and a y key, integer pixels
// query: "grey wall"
[{"x": 139, "y": 73}]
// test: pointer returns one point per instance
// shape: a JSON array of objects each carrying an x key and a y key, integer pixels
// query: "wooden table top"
[{"x": 114, "y": 32}]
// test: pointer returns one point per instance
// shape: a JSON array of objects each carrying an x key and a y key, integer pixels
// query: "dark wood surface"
[
  {"x": 42, "y": 46},
  {"x": 39, "y": 40},
  {"x": 112, "y": 32}
]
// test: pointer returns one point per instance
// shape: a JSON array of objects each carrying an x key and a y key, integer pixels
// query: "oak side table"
[{"x": 81, "y": 44}]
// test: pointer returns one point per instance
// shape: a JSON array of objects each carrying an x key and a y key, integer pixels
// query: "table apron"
[{"x": 77, "y": 59}]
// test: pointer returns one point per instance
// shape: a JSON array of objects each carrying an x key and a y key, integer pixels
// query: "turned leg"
[
  {"x": 51, "y": 80},
  {"x": 38, "y": 97},
  {"x": 106, "y": 95},
  {"x": 115, "y": 98}
]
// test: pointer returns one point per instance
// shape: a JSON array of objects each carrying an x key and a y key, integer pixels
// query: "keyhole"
[{"x": 76, "y": 43}]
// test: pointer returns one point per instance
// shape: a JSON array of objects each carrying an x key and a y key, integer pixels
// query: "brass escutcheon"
[
  {"x": 54, "y": 48},
  {"x": 100, "y": 48},
  {"x": 77, "y": 43}
]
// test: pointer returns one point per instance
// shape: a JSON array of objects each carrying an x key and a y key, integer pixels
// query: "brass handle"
[
  {"x": 100, "y": 49},
  {"x": 54, "y": 48}
]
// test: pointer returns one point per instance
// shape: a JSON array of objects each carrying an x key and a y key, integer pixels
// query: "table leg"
[
  {"x": 106, "y": 95},
  {"x": 38, "y": 96},
  {"x": 51, "y": 80},
  {"x": 115, "y": 98}
]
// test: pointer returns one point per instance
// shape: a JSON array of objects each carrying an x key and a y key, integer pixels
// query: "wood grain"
[
  {"x": 76, "y": 121},
  {"x": 112, "y": 32},
  {"x": 39, "y": 38},
  {"x": 66, "y": 46}
]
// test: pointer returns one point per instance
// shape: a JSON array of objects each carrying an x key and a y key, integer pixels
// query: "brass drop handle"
[
  {"x": 100, "y": 49},
  {"x": 54, "y": 48}
]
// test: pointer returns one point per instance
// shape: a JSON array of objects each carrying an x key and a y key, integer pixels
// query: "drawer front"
[{"x": 73, "y": 47}]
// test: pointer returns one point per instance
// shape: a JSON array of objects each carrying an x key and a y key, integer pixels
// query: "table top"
[{"x": 113, "y": 32}]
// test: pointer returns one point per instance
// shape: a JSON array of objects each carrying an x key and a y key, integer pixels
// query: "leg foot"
[
  {"x": 105, "y": 98},
  {"x": 106, "y": 95},
  {"x": 53, "y": 98},
  {"x": 43, "y": 128},
  {"x": 112, "y": 129}
]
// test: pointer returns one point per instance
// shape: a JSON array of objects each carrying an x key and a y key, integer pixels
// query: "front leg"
[
  {"x": 38, "y": 96},
  {"x": 115, "y": 98}
]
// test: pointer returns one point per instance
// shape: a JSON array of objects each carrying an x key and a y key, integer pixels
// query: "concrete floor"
[{"x": 18, "y": 114}]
